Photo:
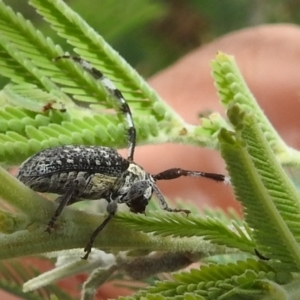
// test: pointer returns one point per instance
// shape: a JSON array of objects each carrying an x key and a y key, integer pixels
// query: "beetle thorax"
[
  {"x": 135, "y": 181},
  {"x": 136, "y": 173}
]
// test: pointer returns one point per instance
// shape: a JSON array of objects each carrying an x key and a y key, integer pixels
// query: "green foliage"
[
  {"x": 213, "y": 281},
  {"x": 259, "y": 181},
  {"x": 53, "y": 103},
  {"x": 271, "y": 197},
  {"x": 214, "y": 229},
  {"x": 45, "y": 111}
]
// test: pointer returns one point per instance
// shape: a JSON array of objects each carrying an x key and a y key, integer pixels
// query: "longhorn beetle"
[{"x": 77, "y": 172}]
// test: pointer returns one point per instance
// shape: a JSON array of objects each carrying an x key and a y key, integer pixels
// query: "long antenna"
[
  {"x": 177, "y": 172},
  {"x": 115, "y": 93}
]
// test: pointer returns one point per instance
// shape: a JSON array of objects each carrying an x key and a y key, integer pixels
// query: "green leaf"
[
  {"x": 26, "y": 56},
  {"x": 232, "y": 89},
  {"x": 270, "y": 201},
  {"x": 93, "y": 48},
  {"x": 211, "y": 229},
  {"x": 212, "y": 281}
]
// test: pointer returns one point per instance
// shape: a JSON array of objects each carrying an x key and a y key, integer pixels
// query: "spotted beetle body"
[{"x": 98, "y": 172}]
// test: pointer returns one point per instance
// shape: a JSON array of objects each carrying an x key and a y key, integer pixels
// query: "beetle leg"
[
  {"x": 68, "y": 198},
  {"x": 112, "y": 208},
  {"x": 63, "y": 201}
]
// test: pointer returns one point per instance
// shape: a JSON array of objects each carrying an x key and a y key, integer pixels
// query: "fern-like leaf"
[
  {"x": 212, "y": 281},
  {"x": 211, "y": 229},
  {"x": 232, "y": 89},
  {"x": 268, "y": 196},
  {"x": 92, "y": 47}
]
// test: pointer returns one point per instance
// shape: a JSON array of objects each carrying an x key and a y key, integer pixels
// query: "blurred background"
[{"x": 152, "y": 34}]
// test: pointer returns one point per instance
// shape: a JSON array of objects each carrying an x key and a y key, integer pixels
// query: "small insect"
[
  {"x": 77, "y": 172},
  {"x": 49, "y": 106}
]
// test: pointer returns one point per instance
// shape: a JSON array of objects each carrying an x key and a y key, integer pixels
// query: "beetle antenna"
[
  {"x": 177, "y": 172},
  {"x": 115, "y": 93}
]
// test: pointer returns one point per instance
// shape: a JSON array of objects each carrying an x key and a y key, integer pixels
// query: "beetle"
[{"x": 78, "y": 172}]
